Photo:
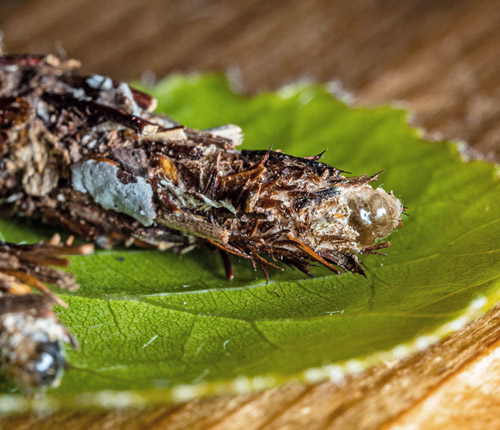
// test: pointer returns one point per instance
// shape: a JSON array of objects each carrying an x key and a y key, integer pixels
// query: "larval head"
[{"x": 374, "y": 214}]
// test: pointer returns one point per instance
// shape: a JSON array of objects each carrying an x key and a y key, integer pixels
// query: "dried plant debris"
[
  {"x": 88, "y": 154},
  {"x": 31, "y": 336}
]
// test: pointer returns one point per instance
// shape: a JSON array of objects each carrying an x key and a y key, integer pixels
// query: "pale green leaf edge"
[{"x": 117, "y": 399}]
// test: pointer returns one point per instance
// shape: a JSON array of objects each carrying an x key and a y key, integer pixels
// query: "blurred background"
[{"x": 439, "y": 58}]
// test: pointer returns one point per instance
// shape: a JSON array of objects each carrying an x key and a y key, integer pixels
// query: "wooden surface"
[{"x": 440, "y": 59}]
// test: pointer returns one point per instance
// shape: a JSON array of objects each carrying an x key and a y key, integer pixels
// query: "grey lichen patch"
[{"x": 99, "y": 179}]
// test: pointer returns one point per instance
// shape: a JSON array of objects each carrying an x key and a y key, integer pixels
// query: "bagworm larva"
[{"x": 86, "y": 153}]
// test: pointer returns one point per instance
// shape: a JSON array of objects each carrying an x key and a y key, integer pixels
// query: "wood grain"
[
  {"x": 468, "y": 400},
  {"x": 438, "y": 58}
]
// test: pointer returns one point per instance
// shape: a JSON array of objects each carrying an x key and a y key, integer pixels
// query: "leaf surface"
[{"x": 149, "y": 320}]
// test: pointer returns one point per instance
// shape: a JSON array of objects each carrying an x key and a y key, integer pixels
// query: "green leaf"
[{"x": 167, "y": 325}]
